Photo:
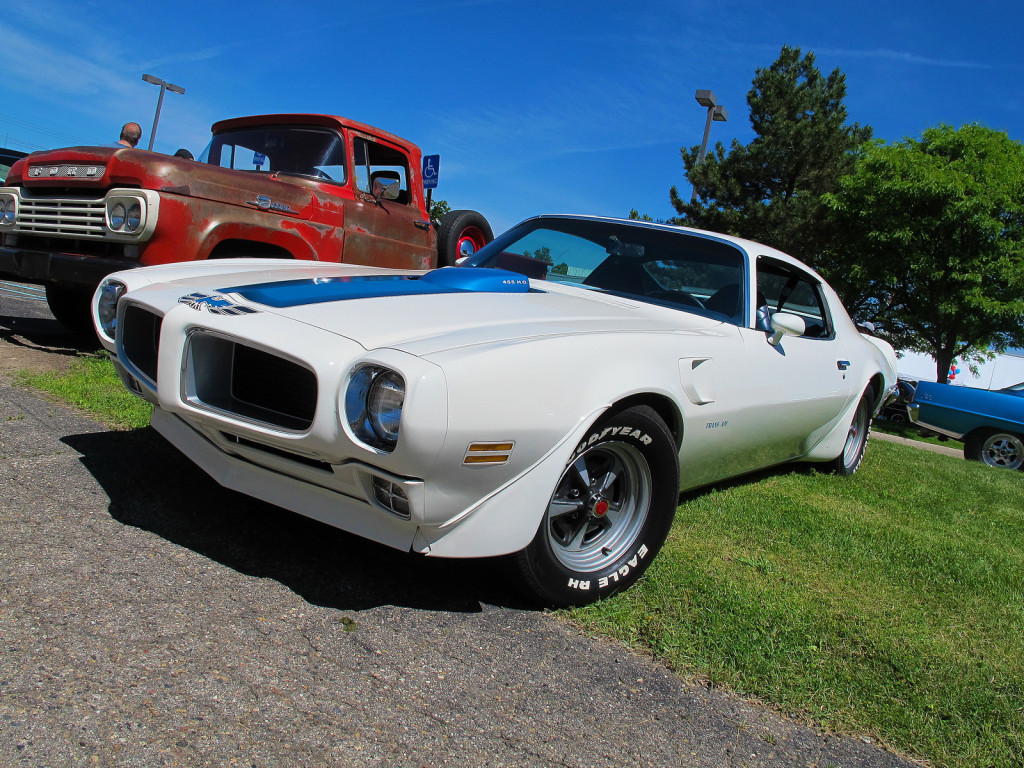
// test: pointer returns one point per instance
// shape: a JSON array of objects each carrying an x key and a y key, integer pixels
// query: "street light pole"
[
  {"x": 717, "y": 113},
  {"x": 164, "y": 86}
]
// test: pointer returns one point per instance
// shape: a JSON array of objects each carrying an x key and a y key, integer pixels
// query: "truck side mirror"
[{"x": 385, "y": 185}]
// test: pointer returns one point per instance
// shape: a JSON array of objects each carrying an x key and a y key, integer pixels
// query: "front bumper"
[{"x": 46, "y": 267}]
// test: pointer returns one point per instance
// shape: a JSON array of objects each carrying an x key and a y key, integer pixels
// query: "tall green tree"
[
  {"x": 770, "y": 189},
  {"x": 935, "y": 234}
]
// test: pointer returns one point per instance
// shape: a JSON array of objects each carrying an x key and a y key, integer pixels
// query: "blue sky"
[{"x": 534, "y": 107}]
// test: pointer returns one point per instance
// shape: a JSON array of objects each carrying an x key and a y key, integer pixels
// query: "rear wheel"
[
  {"x": 71, "y": 306},
  {"x": 1003, "y": 450},
  {"x": 462, "y": 233},
  {"x": 856, "y": 438},
  {"x": 608, "y": 514}
]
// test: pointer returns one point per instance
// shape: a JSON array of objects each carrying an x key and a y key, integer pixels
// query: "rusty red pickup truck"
[{"x": 297, "y": 186}]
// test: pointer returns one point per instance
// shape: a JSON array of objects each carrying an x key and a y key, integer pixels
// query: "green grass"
[
  {"x": 889, "y": 603},
  {"x": 92, "y": 385}
]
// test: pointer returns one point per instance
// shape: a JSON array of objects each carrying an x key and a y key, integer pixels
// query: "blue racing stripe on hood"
[{"x": 295, "y": 293}]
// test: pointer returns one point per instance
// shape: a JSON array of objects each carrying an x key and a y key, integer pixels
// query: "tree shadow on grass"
[{"x": 154, "y": 487}]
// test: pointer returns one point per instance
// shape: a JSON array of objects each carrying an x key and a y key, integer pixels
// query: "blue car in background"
[{"x": 990, "y": 422}]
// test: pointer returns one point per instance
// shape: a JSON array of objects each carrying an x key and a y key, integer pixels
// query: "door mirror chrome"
[{"x": 785, "y": 324}]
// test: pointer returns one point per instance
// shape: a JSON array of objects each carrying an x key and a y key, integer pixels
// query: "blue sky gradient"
[{"x": 534, "y": 107}]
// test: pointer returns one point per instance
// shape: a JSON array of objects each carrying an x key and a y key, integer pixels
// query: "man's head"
[{"x": 130, "y": 134}]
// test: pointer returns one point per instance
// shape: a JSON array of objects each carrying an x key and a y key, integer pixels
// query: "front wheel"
[
  {"x": 849, "y": 460},
  {"x": 1003, "y": 450},
  {"x": 71, "y": 307},
  {"x": 608, "y": 515},
  {"x": 461, "y": 234}
]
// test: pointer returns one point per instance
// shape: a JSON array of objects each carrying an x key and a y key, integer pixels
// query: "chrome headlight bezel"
[
  {"x": 8, "y": 209},
  {"x": 374, "y": 400},
  {"x": 130, "y": 214},
  {"x": 108, "y": 294}
]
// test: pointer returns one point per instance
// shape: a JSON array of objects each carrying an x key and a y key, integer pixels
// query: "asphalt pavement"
[{"x": 148, "y": 617}]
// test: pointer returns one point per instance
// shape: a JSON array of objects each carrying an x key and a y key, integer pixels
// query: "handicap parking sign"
[{"x": 431, "y": 165}]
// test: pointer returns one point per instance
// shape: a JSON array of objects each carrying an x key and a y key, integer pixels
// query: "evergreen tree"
[{"x": 770, "y": 190}]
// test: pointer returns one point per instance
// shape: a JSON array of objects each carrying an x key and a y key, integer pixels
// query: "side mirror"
[
  {"x": 786, "y": 324},
  {"x": 385, "y": 185},
  {"x": 386, "y": 191}
]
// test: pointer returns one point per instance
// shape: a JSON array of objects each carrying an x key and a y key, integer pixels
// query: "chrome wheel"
[
  {"x": 1003, "y": 450},
  {"x": 856, "y": 438},
  {"x": 858, "y": 433},
  {"x": 599, "y": 506}
]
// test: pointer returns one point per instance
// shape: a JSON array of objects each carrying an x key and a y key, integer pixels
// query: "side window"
[
  {"x": 783, "y": 288},
  {"x": 380, "y": 164}
]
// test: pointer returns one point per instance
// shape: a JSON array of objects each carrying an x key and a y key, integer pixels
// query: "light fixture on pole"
[
  {"x": 717, "y": 113},
  {"x": 164, "y": 86}
]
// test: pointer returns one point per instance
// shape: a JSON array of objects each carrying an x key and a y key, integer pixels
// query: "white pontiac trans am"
[{"x": 546, "y": 400}]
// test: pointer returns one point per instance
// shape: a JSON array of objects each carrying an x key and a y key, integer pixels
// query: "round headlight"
[
  {"x": 7, "y": 211},
  {"x": 384, "y": 404},
  {"x": 106, "y": 306},
  {"x": 117, "y": 216},
  {"x": 373, "y": 406},
  {"x": 134, "y": 217}
]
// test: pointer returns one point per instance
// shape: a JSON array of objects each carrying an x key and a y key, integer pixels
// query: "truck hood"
[
  {"x": 103, "y": 168},
  {"x": 427, "y": 313}
]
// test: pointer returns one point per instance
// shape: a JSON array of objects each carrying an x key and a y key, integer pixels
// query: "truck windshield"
[{"x": 313, "y": 152}]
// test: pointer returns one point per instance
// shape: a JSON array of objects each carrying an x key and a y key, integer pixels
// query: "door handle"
[
  {"x": 422, "y": 224},
  {"x": 842, "y": 365}
]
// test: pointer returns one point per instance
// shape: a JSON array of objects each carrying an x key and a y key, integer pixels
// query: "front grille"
[
  {"x": 249, "y": 383},
  {"x": 62, "y": 216},
  {"x": 139, "y": 336}
]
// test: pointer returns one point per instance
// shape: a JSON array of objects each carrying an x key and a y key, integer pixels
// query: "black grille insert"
[
  {"x": 140, "y": 339},
  {"x": 250, "y": 382}
]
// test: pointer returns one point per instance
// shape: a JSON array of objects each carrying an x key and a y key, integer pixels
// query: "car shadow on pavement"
[
  {"x": 153, "y": 487},
  {"x": 46, "y": 335}
]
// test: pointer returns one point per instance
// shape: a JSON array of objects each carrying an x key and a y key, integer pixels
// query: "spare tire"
[{"x": 462, "y": 233}]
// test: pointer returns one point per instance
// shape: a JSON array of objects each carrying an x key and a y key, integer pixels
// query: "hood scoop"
[{"x": 296, "y": 293}]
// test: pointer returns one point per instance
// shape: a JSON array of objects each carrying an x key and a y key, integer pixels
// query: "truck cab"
[{"x": 299, "y": 186}]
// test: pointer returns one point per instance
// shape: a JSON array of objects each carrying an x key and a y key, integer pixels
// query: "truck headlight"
[
  {"x": 8, "y": 210},
  {"x": 373, "y": 406},
  {"x": 133, "y": 218},
  {"x": 106, "y": 306},
  {"x": 126, "y": 215}
]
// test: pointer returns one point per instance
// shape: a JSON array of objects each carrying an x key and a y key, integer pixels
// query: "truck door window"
[{"x": 375, "y": 161}]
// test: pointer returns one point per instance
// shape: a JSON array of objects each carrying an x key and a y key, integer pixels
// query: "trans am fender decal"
[{"x": 294, "y": 293}]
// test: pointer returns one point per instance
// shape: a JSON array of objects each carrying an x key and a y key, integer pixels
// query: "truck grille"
[
  {"x": 249, "y": 383},
  {"x": 62, "y": 216}
]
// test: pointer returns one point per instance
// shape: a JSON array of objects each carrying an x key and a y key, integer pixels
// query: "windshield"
[
  {"x": 666, "y": 267},
  {"x": 314, "y": 152}
]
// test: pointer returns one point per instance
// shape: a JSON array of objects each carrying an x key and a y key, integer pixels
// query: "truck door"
[{"x": 385, "y": 230}]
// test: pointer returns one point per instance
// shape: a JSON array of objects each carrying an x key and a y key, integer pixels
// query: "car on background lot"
[
  {"x": 990, "y": 422},
  {"x": 895, "y": 412},
  {"x": 547, "y": 400},
  {"x": 8, "y": 157}
]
